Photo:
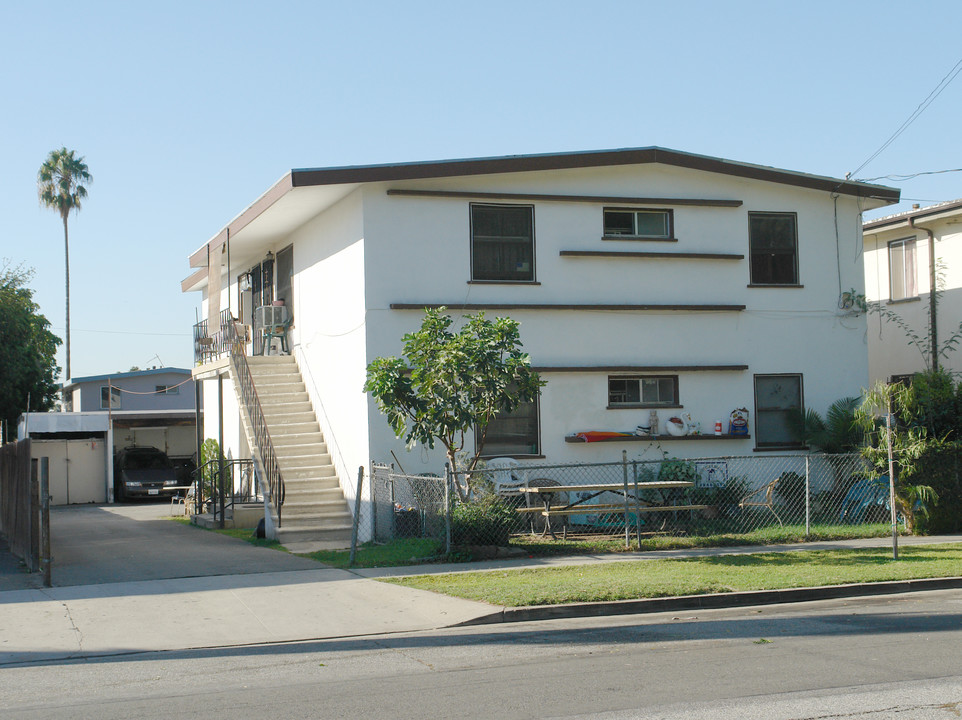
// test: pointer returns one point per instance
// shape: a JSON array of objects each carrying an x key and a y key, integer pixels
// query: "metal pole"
[
  {"x": 634, "y": 470},
  {"x": 624, "y": 471},
  {"x": 357, "y": 514},
  {"x": 895, "y": 529},
  {"x": 449, "y": 478},
  {"x": 220, "y": 448},
  {"x": 808, "y": 501},
  {"x": 45, "y": 559}
]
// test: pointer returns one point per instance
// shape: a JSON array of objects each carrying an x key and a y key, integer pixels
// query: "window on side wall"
[
  {"x": 643, "y": 224},
  {"x": 166, "y": 389},
  {"x": 903, "y": 272},
  {"x": 773, "y": 238},
  {"x": 109, "y": 398},
  {"x": 514, "y": 433},
  {"x": 777, "y": 397},
  {"x": 502, "y": 243},
  {"x": 648, "y": 391}
]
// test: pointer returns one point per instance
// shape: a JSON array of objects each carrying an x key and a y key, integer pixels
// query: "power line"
[
  {"x": 944, "y": 83},
  {"x": 896, "y": 176}
]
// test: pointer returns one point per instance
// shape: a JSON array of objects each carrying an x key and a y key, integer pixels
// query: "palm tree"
[{"x": 61, "y": 186}]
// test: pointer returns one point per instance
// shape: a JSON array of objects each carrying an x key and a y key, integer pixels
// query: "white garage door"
[{"x": 78, "y": 470}]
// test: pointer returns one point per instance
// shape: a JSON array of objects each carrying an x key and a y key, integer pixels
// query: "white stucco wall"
[
  {"x": 417, "y": 250},
  {"x": 890, "y": 352},
  {"x": 329, "y": 333}
]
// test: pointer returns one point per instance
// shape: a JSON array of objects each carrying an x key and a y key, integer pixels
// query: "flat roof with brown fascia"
[
  {"x": 950, "y": 206},
  {"x": 355, "y": 174}
]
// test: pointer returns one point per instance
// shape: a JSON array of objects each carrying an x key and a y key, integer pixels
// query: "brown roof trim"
[
  {"x": 565, "y": 161},
  {"x": 563, "y": 306},
  {"x": 275, "y": 193},
  {"x": 647, "y": 254},
  {"x": 904, "y": 217},
  {"x": 187, "y": 284},
  {"x": 600, "y": 200}
]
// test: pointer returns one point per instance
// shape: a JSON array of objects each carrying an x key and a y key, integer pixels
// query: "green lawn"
[{"x": 695, "y": 576}]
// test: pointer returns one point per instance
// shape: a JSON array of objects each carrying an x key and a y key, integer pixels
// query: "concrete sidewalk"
[
  {"x": 235, "y": 610},
  {"x": 227, "y": 610}
]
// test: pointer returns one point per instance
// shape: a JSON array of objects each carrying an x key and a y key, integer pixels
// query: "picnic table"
[{"x": 548, "y": 490}]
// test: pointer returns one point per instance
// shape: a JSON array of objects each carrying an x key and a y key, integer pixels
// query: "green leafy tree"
[
  {"x": 61, "y": 186},
  {"x": 449, "y": 384},
  {"x": 28, "y": 365}
]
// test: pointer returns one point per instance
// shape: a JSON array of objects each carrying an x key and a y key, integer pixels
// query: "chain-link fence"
[{"x": 631, "y": 498}]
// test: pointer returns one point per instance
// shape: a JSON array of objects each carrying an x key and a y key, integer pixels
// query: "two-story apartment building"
[
  {"x": 645, "y": 281},
  {"x": 905, "y": 256}
]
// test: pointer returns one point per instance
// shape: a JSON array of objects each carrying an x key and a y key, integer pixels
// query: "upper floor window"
[
  {"x": 777, "y": 397},
  {"x": 773, "y": 238},
  {"x": 654, "y": 224},
  {"x": 167, "y": 389},
  {"x": 903, "y": 273},
  {"x": 652, "y": 391},
  {"x": 502, "y": 243},
  {"x": 109, "y": 397}
]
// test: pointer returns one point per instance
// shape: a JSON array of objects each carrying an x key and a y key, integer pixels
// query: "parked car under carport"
[{"x": 143, "y": 472}]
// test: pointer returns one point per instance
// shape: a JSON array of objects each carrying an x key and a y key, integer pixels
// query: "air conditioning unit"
[{"x": 269, "y": 315}]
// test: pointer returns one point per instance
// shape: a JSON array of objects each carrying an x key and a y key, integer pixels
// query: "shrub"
[{"x": 487, "y": 521}]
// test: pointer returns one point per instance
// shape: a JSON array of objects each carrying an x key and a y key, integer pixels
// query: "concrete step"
[
  {"x": 311, "y": 484},
  {"x": 285, "y": 427},
  {"x": 273, "y": 399},
  {"x": 314, "y": 495},
  {"x": 316, "y": 514},
  {"x": 323, "y": 474},
  {"x": 290, "y": 418},
  {"x": 299, "y": 462},
  {"x": 336, "y": 536},
  {"x": 284, "y": 438},
  {"x": 269, "y": 386}
]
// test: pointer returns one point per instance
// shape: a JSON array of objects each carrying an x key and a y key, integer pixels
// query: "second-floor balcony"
[{"x": 269, "y": 331}]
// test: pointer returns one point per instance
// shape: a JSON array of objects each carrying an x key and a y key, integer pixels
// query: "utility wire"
[
  {"x": 944, "y": 83},
  {"x": 911, "y": 175}
]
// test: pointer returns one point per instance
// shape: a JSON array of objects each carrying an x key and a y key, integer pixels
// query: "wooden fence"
[{"x": 20, "y": 503}]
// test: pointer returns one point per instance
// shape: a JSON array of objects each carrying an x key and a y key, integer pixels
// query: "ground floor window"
[
  {"x": 514, "y": 433},
  {"x": 777, "y": 397}
]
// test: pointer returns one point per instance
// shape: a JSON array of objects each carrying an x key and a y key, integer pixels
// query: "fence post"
[
  {"x": 808, "y": 501},
  {"x": 634, "y": 473},
  {"x": 448, "y": 479},
  {"x": 45, "y": 559},
  {"x": 357, "y": 514},
  {"x": 374, "y": 508},
  {"x": 624, "y": 471}
]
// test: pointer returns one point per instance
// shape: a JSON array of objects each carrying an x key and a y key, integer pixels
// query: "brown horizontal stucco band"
[{"x": 531, "y": 306}]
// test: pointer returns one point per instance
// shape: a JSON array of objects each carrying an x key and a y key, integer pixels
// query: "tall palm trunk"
[{"x": 66, "y": 257}]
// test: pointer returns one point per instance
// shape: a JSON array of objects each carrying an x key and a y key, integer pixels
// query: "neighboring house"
[
  {"x": 105, "y": 413},
  {"x": 904, "y": 255},
  {"x": 645, "y": 280}
]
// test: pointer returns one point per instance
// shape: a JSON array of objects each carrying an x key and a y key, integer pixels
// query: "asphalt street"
[{"x": 880, "y": 658}]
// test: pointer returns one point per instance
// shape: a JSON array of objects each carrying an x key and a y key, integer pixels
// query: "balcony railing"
[{"x": 210, "y": 345}]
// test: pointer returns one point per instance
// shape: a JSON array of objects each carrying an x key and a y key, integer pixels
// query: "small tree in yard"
[{"x": 451, "y": 383}]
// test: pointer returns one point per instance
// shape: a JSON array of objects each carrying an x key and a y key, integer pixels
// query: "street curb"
[{"x": 711, "y": 601}]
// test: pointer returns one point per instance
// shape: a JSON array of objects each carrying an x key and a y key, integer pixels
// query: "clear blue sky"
[{"x": 187, "y": 111}]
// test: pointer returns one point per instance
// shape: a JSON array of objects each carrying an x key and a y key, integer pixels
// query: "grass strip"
[{"x": 627, "y": 580}]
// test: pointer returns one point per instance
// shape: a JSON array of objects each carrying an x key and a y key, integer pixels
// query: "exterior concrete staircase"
[{"x": 314, "y": 508}]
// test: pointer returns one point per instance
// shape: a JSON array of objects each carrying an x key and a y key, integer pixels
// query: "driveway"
[{"x": 94, "y": 544}]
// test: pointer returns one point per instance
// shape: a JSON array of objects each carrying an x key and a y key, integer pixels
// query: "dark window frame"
[
  {"x": 114, "y": 393},
  {"x": 760, "y": 442},
  {"x": 667, "y": 212},
  {"x": 769, "y": 278},
  {"x": 641, "y": 403},
  {"x": 481, "y": 277},
  {"x": 901, "y": 243},
  {"x": 486, "y": 451}
]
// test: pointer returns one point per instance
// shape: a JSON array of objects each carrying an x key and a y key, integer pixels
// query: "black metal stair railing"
[
  {"x": 255, "y": 414},
  {"x": 210, "y": 344}
]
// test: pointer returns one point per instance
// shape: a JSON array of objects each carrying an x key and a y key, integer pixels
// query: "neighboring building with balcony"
[
  {"x": 905, "y": 254},
  {"x": 645, "y": 281}
]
